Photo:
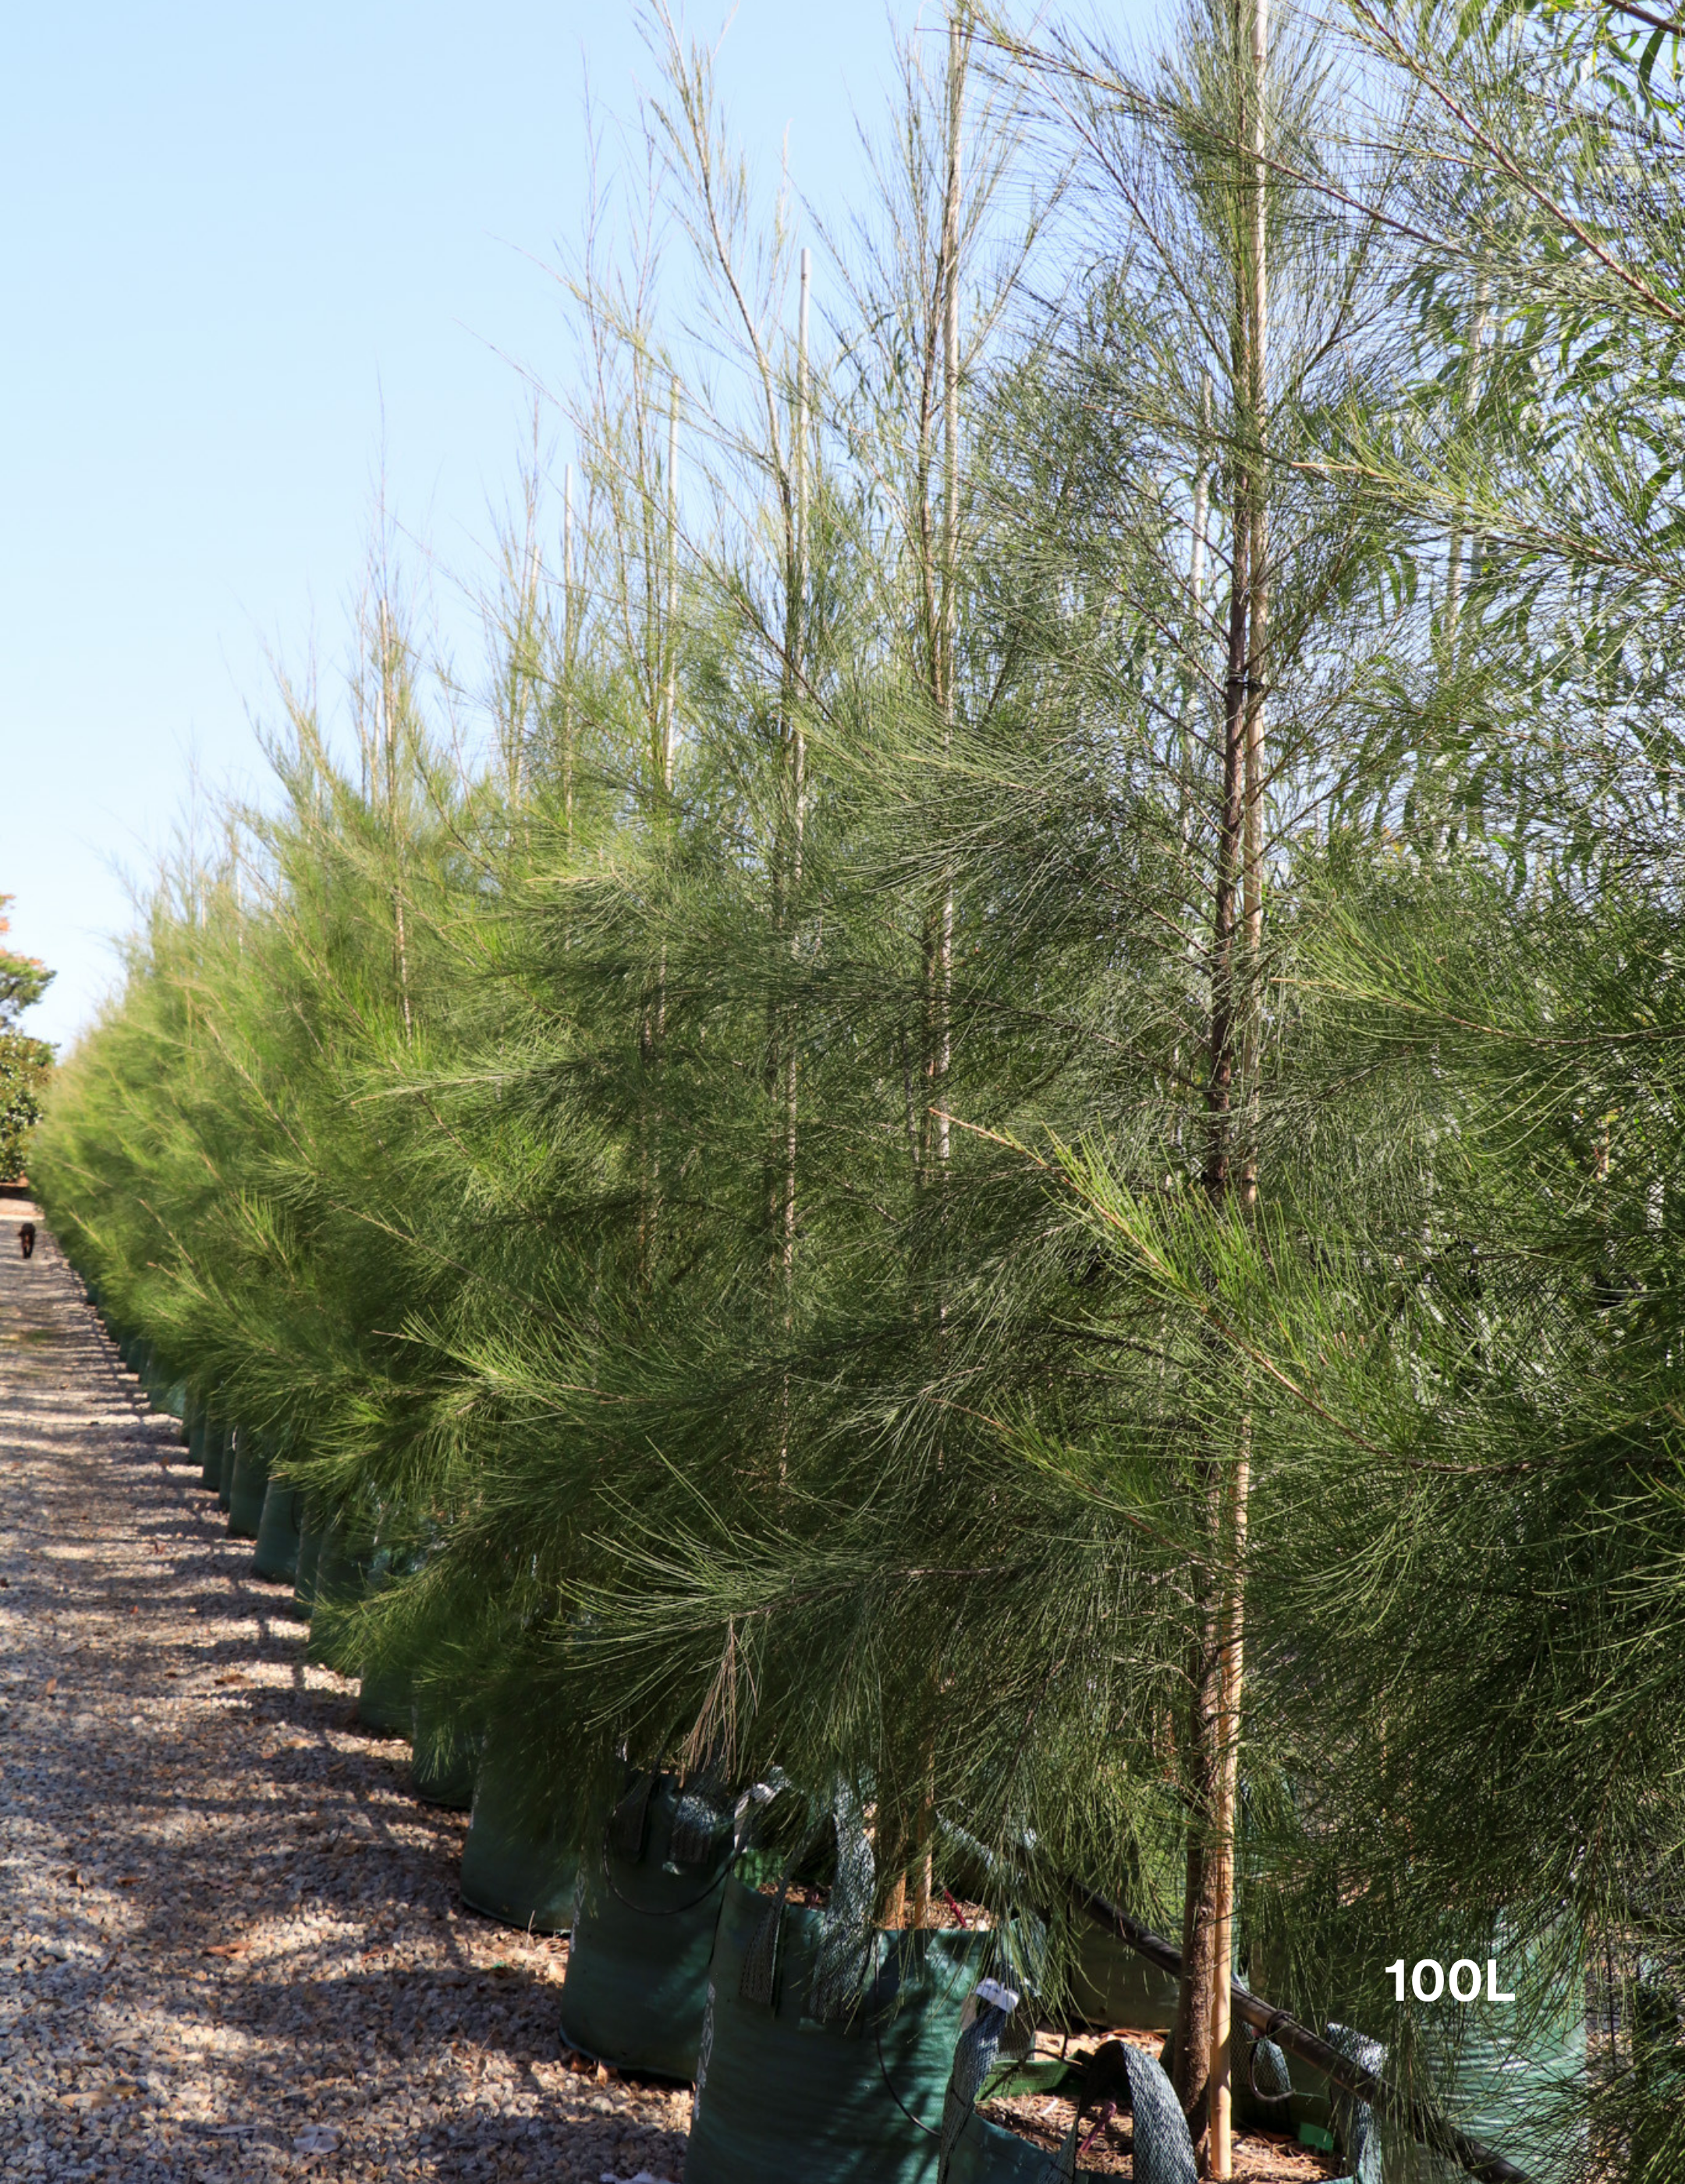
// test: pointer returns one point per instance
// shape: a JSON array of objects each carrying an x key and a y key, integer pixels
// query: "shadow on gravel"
[{"x": 225, "y": 1924}]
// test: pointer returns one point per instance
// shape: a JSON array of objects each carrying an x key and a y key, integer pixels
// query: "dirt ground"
[{"x": 231, "y": 1944}]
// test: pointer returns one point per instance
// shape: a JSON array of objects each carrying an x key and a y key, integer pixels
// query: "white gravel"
[{"x": 232, "y": 1947}]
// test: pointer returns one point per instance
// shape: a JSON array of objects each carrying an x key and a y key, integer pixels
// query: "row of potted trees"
[{"x": 720, "y": 1936}]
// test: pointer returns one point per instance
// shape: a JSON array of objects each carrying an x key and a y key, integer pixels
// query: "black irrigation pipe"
[{"x": 1478, "y": 2160}]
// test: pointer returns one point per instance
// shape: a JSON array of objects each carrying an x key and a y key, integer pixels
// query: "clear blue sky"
[{"x": 231, "y": 235}]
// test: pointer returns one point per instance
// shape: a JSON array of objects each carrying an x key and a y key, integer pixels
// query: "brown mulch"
[{"x": 231, "y": 1941}]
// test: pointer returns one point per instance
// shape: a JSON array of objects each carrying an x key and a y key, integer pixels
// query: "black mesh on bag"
[
  {"x": 1163, "y": 2151},
  {"x": 699, "y": 1820},
  {"x": 994, "y": 2031},
  {"x": 757, "y": 1981},
  {"x": 1267, "y": 2072},
  {"x": 1354, "y": 2120},
  {"x": 845, "y": 1956}
]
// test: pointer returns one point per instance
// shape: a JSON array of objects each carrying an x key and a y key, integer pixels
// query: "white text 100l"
[{"x": 1429, "y": 1980}]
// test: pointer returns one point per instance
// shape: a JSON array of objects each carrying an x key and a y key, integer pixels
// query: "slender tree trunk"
[
  {"x": 1204, "y": 2043},
  {"x": 1230, "y": 1541},
  {"x": 567, "y": 644},
  {"x": 1197, "y": 2000},
  {"x": 389, "y": 706},
  {"x": 653, "y": 1030}
]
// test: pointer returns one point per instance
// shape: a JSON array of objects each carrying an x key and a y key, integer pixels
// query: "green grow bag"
[
  {"x": 1498, "y": 2069},
  {"x": 441, "y": 1768},
  {"x": 225, "y": 1477},
  {"x": 341, "y": 1575},
  {"x": 637, "y": 1980},
  {"x": 780, "y": 2095},
  {"x": 513, "y": 1872},
  {"x": 386, "y": 1698},
  {"x": 248, "y": 1487},
  {"x": 311, "y": 1531},
  {"x": 276, "y": 1559},
  {"x": 386, "y": 1702},
  {"x": 1112, "y": 1985},
  {"x": 204, "y": 1447}
]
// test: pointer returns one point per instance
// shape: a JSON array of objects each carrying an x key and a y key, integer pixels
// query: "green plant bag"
[
  {"x": 386, "y": 1700},
  {"x": 342, "y": 1573},
  {"x": 310, "y": 1534},
  {"x": 204, "y": 1444},
  {"x": 512, "y": 1871},
  {"x": 277, "y": 1557},
  {"x": 248, "y": 1485},
  {"x": 781, "y": 2095},
  {"x": 637, "y": 1982},
  {"x": 1114, "y": 1985},
  {"x": 1498, "y": 2069},
  {"x": 224, "y": 1476},
  {"x": 443, "y": 1764},
  {"x": 386, "y": 1695}
]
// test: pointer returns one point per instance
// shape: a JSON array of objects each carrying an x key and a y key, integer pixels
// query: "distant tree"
[{"x": 23, "y": 1062}]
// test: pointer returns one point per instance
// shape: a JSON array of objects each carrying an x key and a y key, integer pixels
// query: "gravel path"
[{"x": 232, "y": 1945}]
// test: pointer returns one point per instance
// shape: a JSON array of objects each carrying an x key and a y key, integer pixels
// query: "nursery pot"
[
  {"x": 637, "y": 1980},
  {"x": 780, "y": 2094},
  {"x": 1499, "y": 2068},
  {"x": 203, "y": 1445},
  {"x": 341, "y": 1575},
  {"x": 514, "y": 1869},
  {"x": 213, "y": 1448},
  {"x": 1112, "y": 1985},
  {"x": 386, "y": 1696},
  {"x": 225, "y": 1477},
  {"x": 386, "y": 1700},
  {"x": 248, "y": 1485},
  {"x": 276, "y": 1559},
  {"x": 443, "y": 1765},
  {"x": 310, "y": 1532}
]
